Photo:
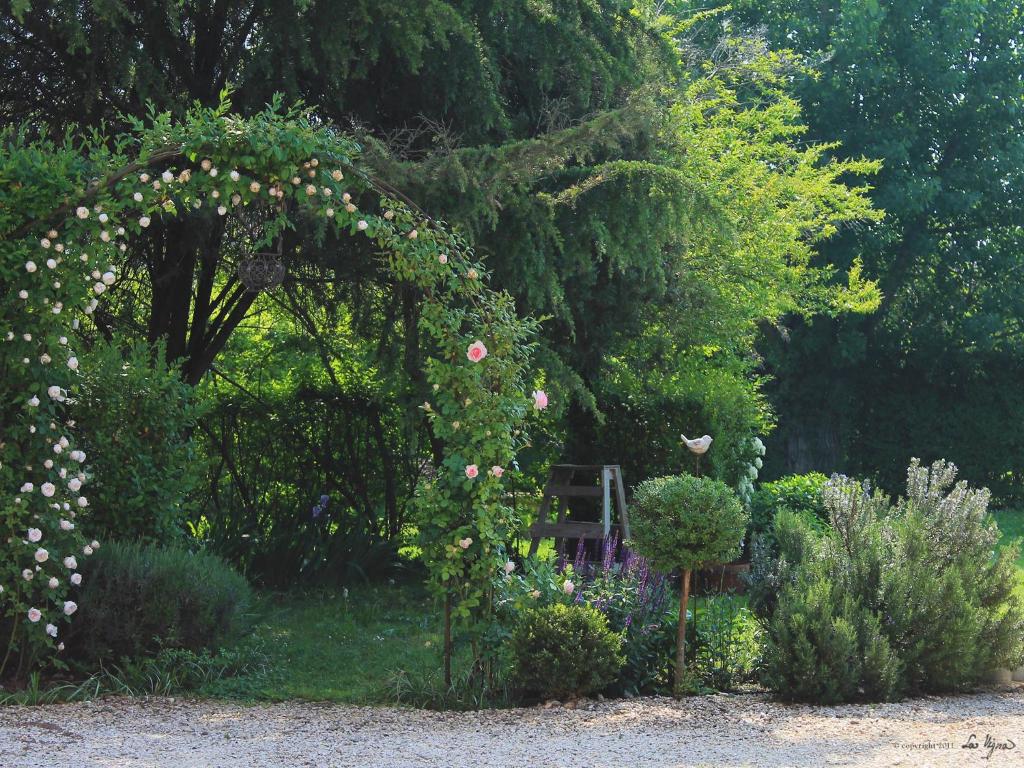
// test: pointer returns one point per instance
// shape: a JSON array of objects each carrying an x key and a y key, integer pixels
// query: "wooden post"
[
  {"x": 684, "y": 598},
  {"x": 448, "y": 640}
]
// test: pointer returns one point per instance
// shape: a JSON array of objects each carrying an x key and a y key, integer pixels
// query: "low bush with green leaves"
[
  {"x": 564, "y": 652},
  {"x": 144, "y": 599},
  {"x": 893, "y": 598},
  {"x": 634, "y": 597}
]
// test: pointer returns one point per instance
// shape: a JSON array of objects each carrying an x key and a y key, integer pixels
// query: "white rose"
[
  {"x": 48, "y": 489},
  {"x": 70, "y": 562},
  {"x": 70, "y": 607},
  {"x": 42, "y": 555},
  {"x": 30, "y": 266},
  {"x": 82, "y": 212},
  {"x": 76, "y": 579}
]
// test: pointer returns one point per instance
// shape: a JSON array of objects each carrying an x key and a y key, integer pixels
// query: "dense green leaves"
[
  {"x": 933, "y": 89},
  {"x": 683, "y": 522}
]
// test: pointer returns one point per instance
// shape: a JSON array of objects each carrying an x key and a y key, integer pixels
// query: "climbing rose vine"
[{"x": 67, "y": 213}]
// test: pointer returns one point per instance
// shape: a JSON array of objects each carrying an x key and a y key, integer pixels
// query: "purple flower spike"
[{"x": 581, "y": 557}]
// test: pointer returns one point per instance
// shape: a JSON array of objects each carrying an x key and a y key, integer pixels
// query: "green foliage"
[
  {"x": 135, "y": 417},
  {"x": 797, "y": 493},
  {"x": 773, "y": 557},
  {"x": 564, "y": 652},
  {"x": 140, "y": 598},
  {"x": 635, "y": 600},
  {"x": 947, "y": 255},
  {"x": 727, "y": 642},
  {"x": 893, "y": 599},
  {"x": 815, "y": 650},
  {"x": 684, "y": 522}
]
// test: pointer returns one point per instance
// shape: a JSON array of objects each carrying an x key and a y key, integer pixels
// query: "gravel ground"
[{"x": 722, "y": 730}]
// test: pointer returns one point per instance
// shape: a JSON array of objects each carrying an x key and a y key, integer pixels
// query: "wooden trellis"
[{"x": 597, "y": 483}]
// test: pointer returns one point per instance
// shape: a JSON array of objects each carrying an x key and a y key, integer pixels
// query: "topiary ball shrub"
[
  {"x": 138, "y": 599},
  {"x": 684, "y": 523},
  {"x": 564, "y": 652}
]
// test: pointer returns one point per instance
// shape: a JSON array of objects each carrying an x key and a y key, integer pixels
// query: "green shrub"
[
  {"x": 800, "y": 494},
  {"x": 824, "y": 647},
  {"x": 135, "y": 418},
  {"x": 636, "y": 600},
  {"x": 893, "y": 599},
  {"x": 563, "y": 652},
  {"x": 140, "y": 599}
]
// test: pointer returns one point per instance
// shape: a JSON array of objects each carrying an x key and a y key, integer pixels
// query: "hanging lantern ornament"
[{"x": 265, "y": 270}]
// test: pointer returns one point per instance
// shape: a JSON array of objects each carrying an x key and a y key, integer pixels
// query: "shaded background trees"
[
  {"x": 934, "y": 90},
  {"x": 640, "y": 180}
]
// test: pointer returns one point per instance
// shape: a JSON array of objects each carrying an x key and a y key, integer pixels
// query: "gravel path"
[{"x": 742, "y": 730}]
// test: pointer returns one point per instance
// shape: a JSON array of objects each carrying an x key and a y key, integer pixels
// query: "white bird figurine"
[{"x": 699, "y": 446}]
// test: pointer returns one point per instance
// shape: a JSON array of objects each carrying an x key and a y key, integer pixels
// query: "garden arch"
[{"x": 57, "y": 261}]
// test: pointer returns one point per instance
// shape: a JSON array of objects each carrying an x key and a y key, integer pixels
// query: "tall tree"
[{"x": 933, "y": 88}]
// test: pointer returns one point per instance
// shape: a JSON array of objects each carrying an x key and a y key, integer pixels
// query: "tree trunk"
[{"x": 684, "y": 598}]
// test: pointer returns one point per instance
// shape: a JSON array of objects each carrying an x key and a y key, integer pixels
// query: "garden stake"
[{"x": 684, "y": 598}]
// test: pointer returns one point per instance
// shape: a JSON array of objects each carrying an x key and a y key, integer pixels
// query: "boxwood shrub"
[{"x": 137, "y": 599}]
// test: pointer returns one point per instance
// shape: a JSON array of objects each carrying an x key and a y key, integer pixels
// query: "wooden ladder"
[{"x": 560, "y": 485}]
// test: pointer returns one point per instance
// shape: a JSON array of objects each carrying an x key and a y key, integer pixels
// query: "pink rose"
[
  {"x": 509, "y": 567},
  {"x": 568, "y": 587},
  {"x": 472, "y": 471},
  {"x": 497, "y": 471},
  {"x": 464, "y": 543},
  {"x": 540, "y": 399},
  {"x": 476, "y": 352},
  {"x": 34, "y": 615}
]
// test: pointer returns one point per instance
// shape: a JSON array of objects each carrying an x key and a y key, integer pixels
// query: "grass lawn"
[
  {"x": 332, "y": 647},
  {"x": 1011, "y": 526}
]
